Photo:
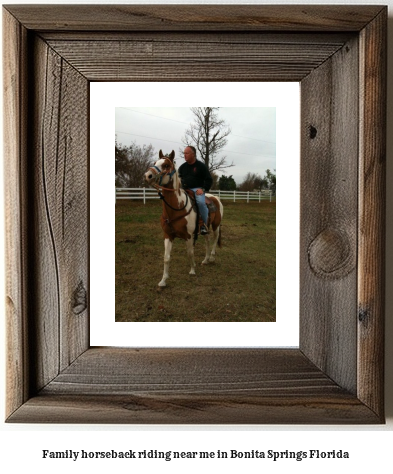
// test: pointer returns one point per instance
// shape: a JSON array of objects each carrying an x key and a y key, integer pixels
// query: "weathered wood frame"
[{"x": 338, "y": 54}]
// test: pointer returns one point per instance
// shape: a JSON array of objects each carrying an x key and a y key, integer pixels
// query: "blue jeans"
[{"x": 200, "y": 200}]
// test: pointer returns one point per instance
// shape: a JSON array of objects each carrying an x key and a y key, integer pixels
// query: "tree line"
[
  {"x": 251, "y": 182},
  {"x": 208, "y": 134}
]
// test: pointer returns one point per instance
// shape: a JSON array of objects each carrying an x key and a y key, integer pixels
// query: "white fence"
[{"x": 149, "y": 193}]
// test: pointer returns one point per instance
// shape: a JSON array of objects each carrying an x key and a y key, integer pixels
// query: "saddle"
[{"x": 209, "y": 203}]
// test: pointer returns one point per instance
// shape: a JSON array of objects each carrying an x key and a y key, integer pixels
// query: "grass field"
[{"x": 239, "y": 286}]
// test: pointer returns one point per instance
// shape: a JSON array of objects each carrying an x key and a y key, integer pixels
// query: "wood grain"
[
  {"x": 193, "y": 386},
  {"x": 372, "y": 198},
  {"x": 195, "y": 18},
  {"x": 14, "y": 70},
  {"x": 329, "y": 173},
  {"x": 193, "y": 409},
  {"x": 338, "y": 54},
  {"x": 60, "y": 216},
  {"x": 201, "y": 37},
  {"x": 186, "y": 59}
]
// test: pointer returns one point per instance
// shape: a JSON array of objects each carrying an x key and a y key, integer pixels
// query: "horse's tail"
[
  {"x": 219, "y": 230},
  {"x": 218, "y": 202},
  {"x": 219, "y": 237}
]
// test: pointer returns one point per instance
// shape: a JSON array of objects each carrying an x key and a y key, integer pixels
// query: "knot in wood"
[
  {"x": 364, "y": 316},
  {"x": 331, "y": 254},
  {"x": 313, "y": 132},
  {"x": 80, "y": 299}
]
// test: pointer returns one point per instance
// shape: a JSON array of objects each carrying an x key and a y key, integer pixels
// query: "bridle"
[{"x": 160, "y": 174}]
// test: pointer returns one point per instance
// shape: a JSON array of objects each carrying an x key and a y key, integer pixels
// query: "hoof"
[{"x": 192, "y": 273}]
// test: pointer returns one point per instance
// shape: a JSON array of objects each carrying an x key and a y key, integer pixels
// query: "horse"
[{"x": 179, "y": 213}]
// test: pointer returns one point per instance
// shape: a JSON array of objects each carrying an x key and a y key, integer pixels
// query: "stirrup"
[{"x": 203, "y": 230}]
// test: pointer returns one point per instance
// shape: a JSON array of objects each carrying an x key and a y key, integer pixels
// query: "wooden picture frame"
[{"x": 338, "y": 54}]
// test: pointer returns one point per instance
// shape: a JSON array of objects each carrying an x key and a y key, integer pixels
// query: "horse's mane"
[
  {"x": 176, "y": 182},
  {"x": 177, "y": 186}
]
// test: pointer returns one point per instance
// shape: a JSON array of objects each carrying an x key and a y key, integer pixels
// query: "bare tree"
[
  {"x": 215, "y": 180},
  {"x": 208, "y": 134},
  {"x": 253, "y": 181},
  {"x": 131, "y": 163},
  {"x": 250, "y": 182}
]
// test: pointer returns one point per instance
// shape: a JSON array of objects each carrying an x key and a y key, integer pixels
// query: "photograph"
[{"x": 195, "y": 214}]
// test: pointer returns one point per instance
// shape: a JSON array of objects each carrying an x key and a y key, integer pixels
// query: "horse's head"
[{"x": 162, "y": 171}]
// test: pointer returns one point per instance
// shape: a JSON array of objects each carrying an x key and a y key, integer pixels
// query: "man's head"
[{"x": 190, "y": 155}]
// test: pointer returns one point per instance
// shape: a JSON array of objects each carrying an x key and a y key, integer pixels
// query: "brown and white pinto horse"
[{"x": 179, "y": 219}]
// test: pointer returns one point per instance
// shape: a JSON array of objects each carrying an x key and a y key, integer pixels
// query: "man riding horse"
[
  {"x": 196, "y": 176},
  {"x": 179, "y": 218}
]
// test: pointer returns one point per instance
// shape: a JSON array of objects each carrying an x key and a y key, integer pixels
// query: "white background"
[
  {"x": 369, "y": 446},
  {"x": 104, "y": 98}
]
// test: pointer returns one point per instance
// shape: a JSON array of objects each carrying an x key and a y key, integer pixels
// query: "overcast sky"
[{"x": 251, "y": 144}]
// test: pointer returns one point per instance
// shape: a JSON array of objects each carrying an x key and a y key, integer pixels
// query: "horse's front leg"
[
  {"x": 167, "y": 258},
  {"x": 190, "y": 253}
]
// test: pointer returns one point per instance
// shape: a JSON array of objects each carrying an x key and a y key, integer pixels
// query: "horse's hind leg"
[
  {"x": 167, "y": 258},
  {"x": 216, "y": 235},
  {"x": 190, "y": 253},
  {"x": 211, "y": 251},
  {"x": 206, "y": 260}
]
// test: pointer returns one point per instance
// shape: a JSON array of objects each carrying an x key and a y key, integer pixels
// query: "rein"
[
  {"x": 158, "y": 186},
  {"x": 170, "y": 222},
  {"x": 160, "y": 174},
  {"x": 174, "y": 208}
]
